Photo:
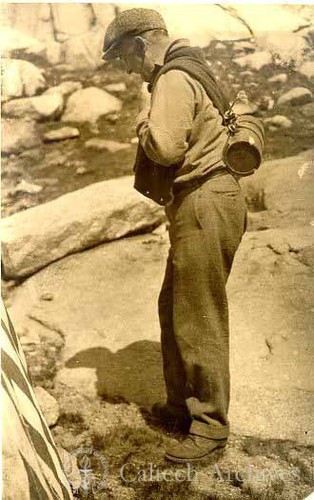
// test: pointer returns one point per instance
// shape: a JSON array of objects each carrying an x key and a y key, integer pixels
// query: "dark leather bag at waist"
[{"x": 153, "y": 180}]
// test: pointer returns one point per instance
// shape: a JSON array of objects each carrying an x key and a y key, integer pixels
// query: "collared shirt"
[{"x": 182, "y": 126}]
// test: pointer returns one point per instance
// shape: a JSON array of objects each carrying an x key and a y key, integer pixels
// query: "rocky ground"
[
  {"x": 83, "y": 322},
  {"x": 88, "y": 321}
]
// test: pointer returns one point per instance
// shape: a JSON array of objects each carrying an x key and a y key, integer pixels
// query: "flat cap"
[{"x": 131, "y": 22}]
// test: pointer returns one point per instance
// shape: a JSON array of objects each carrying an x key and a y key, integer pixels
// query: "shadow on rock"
[{"x": 133, "y": 374}]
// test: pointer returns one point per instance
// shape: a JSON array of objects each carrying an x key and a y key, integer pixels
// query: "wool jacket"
[{"x": 182, "y": 126}]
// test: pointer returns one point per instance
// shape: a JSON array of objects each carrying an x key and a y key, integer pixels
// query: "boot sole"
[{"x": 217, "y": 452}]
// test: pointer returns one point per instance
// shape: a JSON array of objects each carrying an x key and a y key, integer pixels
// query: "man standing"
[{"x": 180, "y": 128}]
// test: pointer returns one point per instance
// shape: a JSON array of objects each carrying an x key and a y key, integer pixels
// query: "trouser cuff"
[{"x": 209, "y": 431}]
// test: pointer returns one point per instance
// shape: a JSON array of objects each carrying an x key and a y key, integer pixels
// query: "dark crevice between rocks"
[
  {"x": 269, "y": 346},
  {"x": 46, "y": 324}
]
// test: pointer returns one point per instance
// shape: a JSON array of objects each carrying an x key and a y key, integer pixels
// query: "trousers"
[{"x": 206, "y": 225}]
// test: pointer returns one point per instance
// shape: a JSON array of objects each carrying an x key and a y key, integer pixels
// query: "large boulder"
[
  {"x": 296, "y": 97},
  {"x": 285, "y": 47},
  {"x": 307, "y": 69},
  {"x": 13, "y": 40},
  {"x": 18, "y": 135},
  {"x": 84, "y": 51},
  {"x": 286, "y": 187},
  {"x": 101, "y": 212},
  {"x": 88, "y": 105},
  {"x": 20, "y": 78},
  {"x": 71, "y": 19},
  {"x": 30, "y": 20},
  {"x": 38, "y": 108},
  {"x": 106, "y": 297}
]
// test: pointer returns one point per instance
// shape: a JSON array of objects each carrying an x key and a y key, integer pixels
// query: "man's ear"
[{"x": 141, "y": 44}]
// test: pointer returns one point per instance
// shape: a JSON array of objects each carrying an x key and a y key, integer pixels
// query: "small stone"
[
  {"x": 34, "y": 154},
  {"x": 27, "y": 187},
  {"x": 241, "y": 108},
  {"x": 134, "y": 140},
  {"x": 112, "y": 118},
  {"x": 160, "y": 230},
  {"x": 96, "y": 80},
  {"x": 254, "y": 61},
  {"x": 46, "y": 296},
  {"x": 308, "y": 110},
  {"x": 94, "y": 128},
  {"x": 245, "y": 46},
  {"x": 53, "y": 181},
  {"x": 48, "y": 404},
  {"x": 81, "y": 171},
  {"x": 65, "y": 88},
  {"x": 220, "y": 46},
  {"x": 78, "y": 163},
  {"x": 74, "y": 163},
  {"x": 103, "y": 144},
  {"x": 280, "y": 78},
  {"x": 279, "y": 121},
  {"x": 296, "y": 97},
  {"x": 55, "y": 158},
  {"x": 61, "y": 134},
  {"x": 247, "y": 73},
  {"x": 267, "y": 103},
  {"x": 116, "y": 87},
  {"x": 29, "y": 338}
]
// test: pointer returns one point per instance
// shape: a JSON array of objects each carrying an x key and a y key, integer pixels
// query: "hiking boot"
[
  {"x": 172, "y": 417},
  {"x": 194, "y": 448}
]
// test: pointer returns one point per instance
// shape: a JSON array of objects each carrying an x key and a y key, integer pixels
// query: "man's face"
[{"x": 133, "y": 54}]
